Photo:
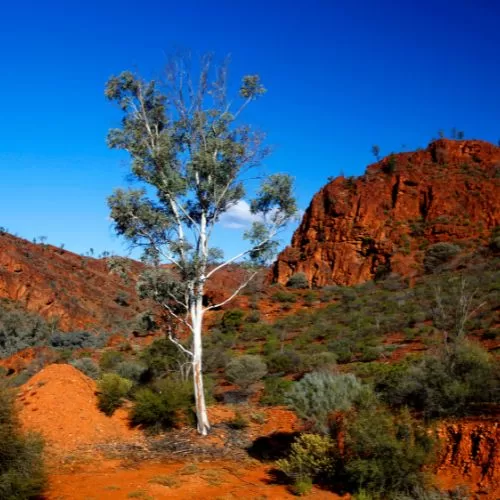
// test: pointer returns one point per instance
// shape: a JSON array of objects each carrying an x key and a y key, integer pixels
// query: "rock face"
[
  {"x": 382, "y": 221},
  {"x": 471, "y": 455}
]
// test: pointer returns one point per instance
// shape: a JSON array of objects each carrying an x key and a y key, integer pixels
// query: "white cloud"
[{"x": 238, "y": 216}]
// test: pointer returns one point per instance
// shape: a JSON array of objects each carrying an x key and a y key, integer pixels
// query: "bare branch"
[{"x": 234, "y": 294}]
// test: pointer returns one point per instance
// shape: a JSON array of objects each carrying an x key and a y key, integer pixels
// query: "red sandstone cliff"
[{"x": 384, "y": 219}]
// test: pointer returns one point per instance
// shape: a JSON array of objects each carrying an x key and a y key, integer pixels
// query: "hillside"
[
  {"x": 382, "y": 222},
  {"x": 78, "y": 291}
]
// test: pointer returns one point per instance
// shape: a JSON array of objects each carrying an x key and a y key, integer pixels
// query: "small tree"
[
  {"x": 188, "y": 146},
  {"x": 376, "y": 151}
]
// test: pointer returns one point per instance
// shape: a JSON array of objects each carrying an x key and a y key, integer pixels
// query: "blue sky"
[{"x": 341, "y": 76}]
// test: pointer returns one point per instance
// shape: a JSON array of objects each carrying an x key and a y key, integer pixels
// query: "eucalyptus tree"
[{"x": 196, "y": 160}]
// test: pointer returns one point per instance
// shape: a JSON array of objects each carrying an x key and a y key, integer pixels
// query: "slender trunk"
[{"x": 199, "y": 394}]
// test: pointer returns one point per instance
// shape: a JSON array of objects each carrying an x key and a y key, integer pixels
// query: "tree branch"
[{"x": 234, "y": 294}]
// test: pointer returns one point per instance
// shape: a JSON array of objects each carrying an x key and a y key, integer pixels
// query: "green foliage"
[
  {"x": 232, "y": 320},
  {"x": 275, "y": 391},
  {"x": 87, "y": 366},
  {"x": 238, "y": 422},
  {"x": 246, "y": 370},
  {"x": 376, "y": 151},
  {"x": 448, "y": 383},
  {"x": 286, "y": 297},
  {"x": 386, "y": 453},
  {"x": 22, "y": 473},
  {"x": 162, "y": 405},
  {"x": 301, "y": 486},
  {"x": 312, "y": 457},
  {"x": 438, "y": 254},
  {"x": 287, "y": 361},
  {"x": 389, "y": 166},
  {"x": 20, "y": 329},
  {"x": 78, "y": 340},
  {"x": 131, "y": 370},
  {"x": 161, "y": 357},
  {"x": 319, "y": 394},
  {"x": 110, "y": 359},
  {"x": 298, "y": 280},
  {"x": 112, "y": 391}
]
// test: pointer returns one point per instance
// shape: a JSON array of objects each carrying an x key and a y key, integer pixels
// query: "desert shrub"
[
  {"x": 77, "y": 340},
  {"x": 275, "y": 390},
  {"x": 131, "y": 370},
  {"x": 22, "y": 473},
  {"x": 144, "y": 323},
  {"x": 284, "y": 297},
  {"x": 112, "y": 391},
  {"x": 232, "y": 320},
  {"x": 238, "y": 422},
  {"x": 385, "y": 453},
  {"x": 256, "y": 331},
  {"x": 163, "y": 404},
  {"x": 287, "y": 361},
  {"x": 312, "y": 458},
  {"x": 253, "y": 317},
  {"x": 343, "y": 349},
  {"x": 438, "y": 254},
  {"x": 318, "y": 394},
  {"x": 298, "y": 280},
  {"x": 321, "y": 361},
  {"x": 215, "y": 358},
  {"x": 20, "y": 329},
  {"x": 87, "y": 366},
  {"x": 448, "y": 383},
  {"x": 246, "y": 370},
  {"x": 161, "y": 357},
  {"x": 110, "y": 359}
]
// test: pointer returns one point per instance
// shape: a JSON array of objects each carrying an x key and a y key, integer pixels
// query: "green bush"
[
  {"x": 318, "y": 394},
  {"x": 448, "y": 383},
  {"x": 87, "y": 366},
  {"x": 284, "y": 297},
  {"x": 232, "y": 320},
  {"x": 161, "y": 357},
  {"x": 275, "y": 390},
  {"x": 287, "y": 361},
  {"x": 312, "y": 458},
  {"x": 162, "y": 405},
  {"x": 298, "y": 280},
  {"x": 438, "y": 254},
  {"x": 321, "y": 361},
  {"x": 112, "y": 391},
  {"x": 131, "y": 370},
  {"x": 385, "y": 453},
  {"x": 110, "y": 359},
  {"x": 22, "y": 472},
  {"x": 20, "y": 329},
  {"x": 246, "y": 370}
]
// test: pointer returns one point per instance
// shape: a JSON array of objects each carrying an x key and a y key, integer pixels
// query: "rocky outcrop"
[
  {"x": 470, "y": 455},
  {"x": 356, "y": 228}
]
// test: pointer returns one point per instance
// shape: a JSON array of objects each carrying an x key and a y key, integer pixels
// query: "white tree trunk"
[{"x": 199, "y": 394}]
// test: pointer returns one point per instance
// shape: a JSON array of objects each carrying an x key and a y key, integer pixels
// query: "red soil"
[{"x": 60, "y": 403}]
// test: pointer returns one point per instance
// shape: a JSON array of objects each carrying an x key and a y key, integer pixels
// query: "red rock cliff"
[{"x": 383, "y": 220}]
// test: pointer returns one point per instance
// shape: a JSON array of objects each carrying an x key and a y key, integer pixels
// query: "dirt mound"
[{"x": 60, "y": 402}]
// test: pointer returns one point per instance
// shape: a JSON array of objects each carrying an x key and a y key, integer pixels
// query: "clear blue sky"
[{"x": 341, "y": 76}]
